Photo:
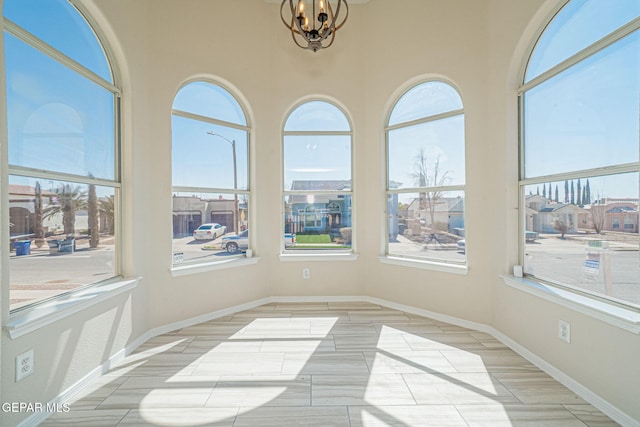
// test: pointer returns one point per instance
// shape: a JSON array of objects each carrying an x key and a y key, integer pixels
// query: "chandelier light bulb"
[{"x": 316, "y": 30}]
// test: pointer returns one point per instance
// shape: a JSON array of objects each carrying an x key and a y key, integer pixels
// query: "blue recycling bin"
[
  {"x": 67, "y": 245},
  {"x": 23, "y": 247}
]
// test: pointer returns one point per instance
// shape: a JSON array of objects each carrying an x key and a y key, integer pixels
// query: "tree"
[
  {"x": 598, "y": 215},
  {"x": 566, "y": 191},
  {"x": 544, "y": 190},
  {"x": 94, "y": 225},
  {"x": 550, "y": 193},
  {"x": 107, "y": 214},
  {"x": 556, "y": 198},
  {"x": 68, "y": 201},
  {"x": 561, "y": 225},
  {"x": 428, "y": 177},
  {"x": 588, "y": 190},
  {"x": 579, "y": 194},
  {"x": 573, "y": 198},
  {"x": 38, "y": 232}
]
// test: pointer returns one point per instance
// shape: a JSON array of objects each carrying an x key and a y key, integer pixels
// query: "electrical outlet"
[
  {"x": 306, "y": 273},
  {"x": 24, "y": 365},
  {"x": 564, "y": 331}
]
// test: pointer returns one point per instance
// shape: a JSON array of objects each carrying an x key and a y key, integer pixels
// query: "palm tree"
[
  {"x": 37, "y": 208},
  {"x": 94, "y": 226},
  {"x": 107, "y": 209},
  {"x": 68, "y": 201}
]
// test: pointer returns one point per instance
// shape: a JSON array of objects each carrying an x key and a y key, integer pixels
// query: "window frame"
[
  {"x": 595, "y": 172},
  {"x": 314, "y": 254},
  {"x": 101, "y": 287},
  {"x": 182, "y": 268},
  {"x": 439, "y": 264}
]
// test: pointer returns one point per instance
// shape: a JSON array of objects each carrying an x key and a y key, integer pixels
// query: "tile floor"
[{"x": 326, "y": 364}]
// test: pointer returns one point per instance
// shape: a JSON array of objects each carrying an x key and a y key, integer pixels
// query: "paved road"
[{"x": 564, "y": 261}]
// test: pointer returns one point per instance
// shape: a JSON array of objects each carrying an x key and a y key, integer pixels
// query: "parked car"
[
  {"x": 236, "y": 242},
  {"x": 209, "y": 231},
  {"x": 462, "y": 245},
  {"x": 289, "y": 239}
]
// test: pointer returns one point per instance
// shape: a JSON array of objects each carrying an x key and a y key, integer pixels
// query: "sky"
[{"x": 51, "y": 124}]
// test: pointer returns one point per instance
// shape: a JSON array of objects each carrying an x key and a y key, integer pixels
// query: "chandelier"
[{"x": 313, "y": 23}]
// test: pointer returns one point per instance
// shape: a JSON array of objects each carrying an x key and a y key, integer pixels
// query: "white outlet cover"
[
  {"x": 564, "y": 331},
  {"x": 24, "y": 365}
]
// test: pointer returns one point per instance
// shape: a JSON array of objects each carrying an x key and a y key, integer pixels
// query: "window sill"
[
  {"x": 187, "y": 269},
  {"x": 425, "y": 264},
  {"x": 614, "y": 315},
  {"x": 44, "y": 314},
  {"x": 319, "y": 256}
]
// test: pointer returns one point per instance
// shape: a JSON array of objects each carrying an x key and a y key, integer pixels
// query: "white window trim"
[
  {"x": 426, "y": 264},
  {"x": 46, "y": 313},
  {"x": 612, "y": 313},
  {"x": 615, "y": 315},
  {"x": 187, "y": 269},
  {"x": 178, "y": 270},
  {"x": 307, "y": 254},
  {"x": 319, "y": 256},
  {"x": 23, "y": 321}
]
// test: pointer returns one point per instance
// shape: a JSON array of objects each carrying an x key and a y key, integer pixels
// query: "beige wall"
[{"x": 478, "y": 46}]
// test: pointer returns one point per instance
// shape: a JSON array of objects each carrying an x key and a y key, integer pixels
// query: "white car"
[{"x": 209, "y": 231}]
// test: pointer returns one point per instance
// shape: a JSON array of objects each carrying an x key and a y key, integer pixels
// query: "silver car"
[{"x": 235, "y": 243}]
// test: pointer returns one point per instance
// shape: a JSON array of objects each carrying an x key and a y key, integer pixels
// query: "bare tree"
[
  {"x": 598, "y": 216},
  {"x": 425, "y": 176},
  {"x": 37, "y": 208},
  {"x": 561, "y": 225}
]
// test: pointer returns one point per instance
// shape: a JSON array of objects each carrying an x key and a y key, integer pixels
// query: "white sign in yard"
[{"x": 592, "y": 265}]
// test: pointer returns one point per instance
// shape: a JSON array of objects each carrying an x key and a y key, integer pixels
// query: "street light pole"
[{"x": 235, "y": 180}]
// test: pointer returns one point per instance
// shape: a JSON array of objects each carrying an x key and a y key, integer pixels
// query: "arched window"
[
  {"x": 317, "y": 177},
  {"x": 210, "y": 174},
  {"x": 580, "y": 150},
  {"x": 426, "y": 174},
  {"x": 62, "y": 100}
]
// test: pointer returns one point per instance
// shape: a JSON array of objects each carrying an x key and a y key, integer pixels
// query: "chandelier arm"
[
  {"x": 346, "y": 6},
  {"x": 282, "y": 15},
  {"x": 295, "y": 40},
  {"x": 333, "y": 36},
  {"x": 295, "y": 26}
]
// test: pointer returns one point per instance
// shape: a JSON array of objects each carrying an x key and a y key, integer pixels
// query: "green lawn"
[{"x": 313, "y": 238}]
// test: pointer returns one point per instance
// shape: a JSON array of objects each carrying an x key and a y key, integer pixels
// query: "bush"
[{"x": 345, "y": 232}]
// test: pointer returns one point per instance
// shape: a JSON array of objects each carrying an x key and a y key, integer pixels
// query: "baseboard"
[
  {"x": 589, "y": 396},
  {"x": 604, "y": 406}
]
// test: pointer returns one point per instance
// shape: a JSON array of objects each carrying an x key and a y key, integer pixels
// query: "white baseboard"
[{"x": 603, "y": 405}]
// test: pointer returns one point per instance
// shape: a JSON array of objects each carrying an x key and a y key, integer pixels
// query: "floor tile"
[
  {"x": 374, "y": 389},
  {"x": 257, "y": 391},
  {"x": 537, "y": 388},
  {"x": 219, "y": 417},
  {"x": 406, "y": 416},
  {"x": 457, "y": 388},
  {"x": 498, "y": 360},
  {"x": 239, "y": 364},
  {"x": 339, "y": 363},
  {"x": 86, "y": 418},
  {"x": 407, "y": 362},
  {"x": 518, "y": 416},
  {"x": 159, "y": 392},
  {"x": 293, "y": 416},
  {"x": 591, "y": 416},
  {"x": 326, "y": 364}
]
